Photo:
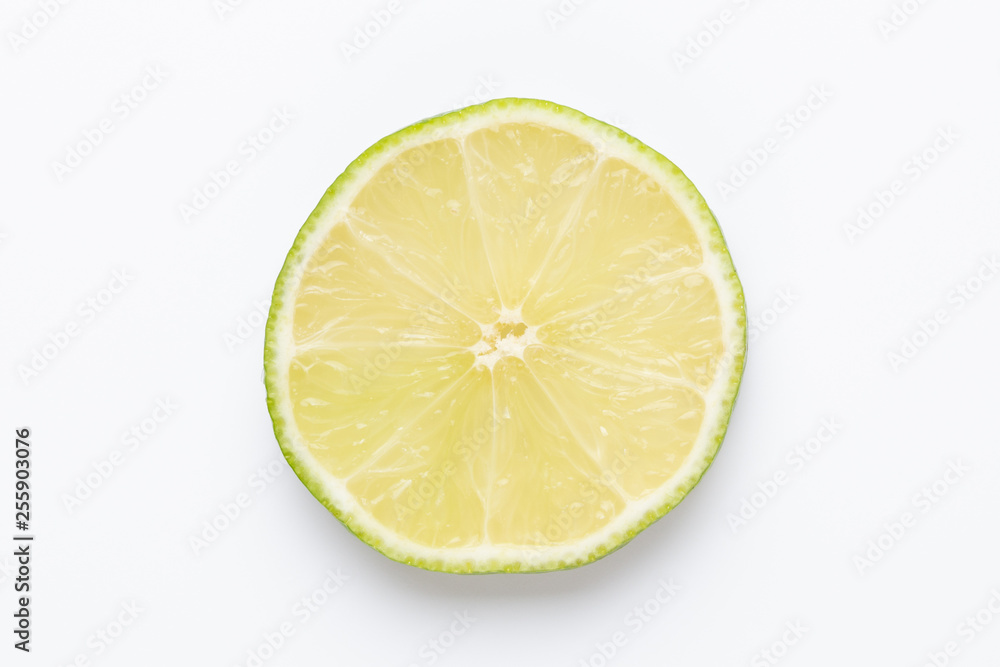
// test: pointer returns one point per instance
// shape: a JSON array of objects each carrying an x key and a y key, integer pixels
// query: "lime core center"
[{"x": 507, "y": 337}]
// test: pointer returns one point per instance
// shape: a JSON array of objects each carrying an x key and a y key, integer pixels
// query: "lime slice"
[{"x": 508, "y": 339}]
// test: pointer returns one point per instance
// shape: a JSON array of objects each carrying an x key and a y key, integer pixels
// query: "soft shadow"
[
  {"x": 654, "y": 551},
  {"x": 650, "y": 551}
]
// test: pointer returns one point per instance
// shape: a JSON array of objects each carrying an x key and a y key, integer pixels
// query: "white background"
[{"x": 855, "y": 298}]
